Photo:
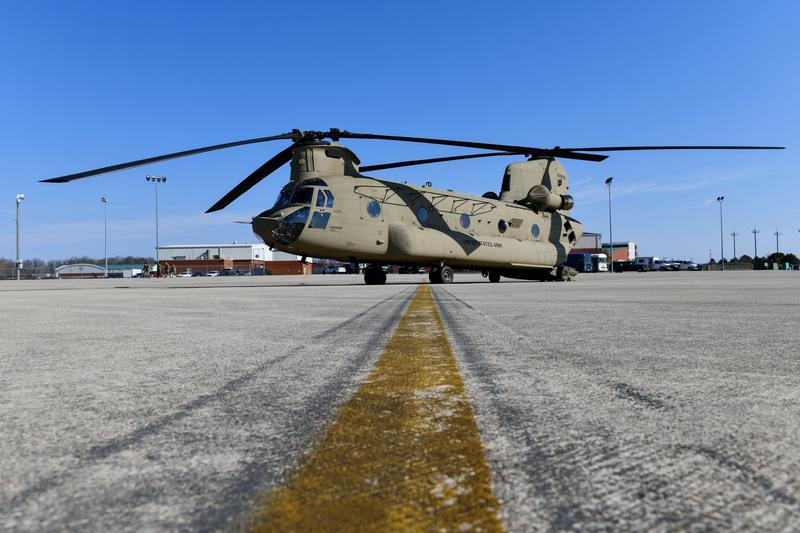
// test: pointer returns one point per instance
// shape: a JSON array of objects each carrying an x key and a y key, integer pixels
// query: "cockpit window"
[
  {"x": 302, "y": 195},
  {"x": 285, "y": 195},
  {"x": 329, "y": 203},
  {"x": 321, "y": 198}
]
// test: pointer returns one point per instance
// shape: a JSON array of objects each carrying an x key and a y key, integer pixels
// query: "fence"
[{"x": 27, "y": 273}]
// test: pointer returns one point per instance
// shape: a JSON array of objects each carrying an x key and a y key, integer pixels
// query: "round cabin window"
[
  {"x": 502, "y": 226},
  {"x": 535, "y": 230},
  {"x": 422, "y": 215},
  {"x": 464, "y": 220},
  {"x": 374, "y": 209}
]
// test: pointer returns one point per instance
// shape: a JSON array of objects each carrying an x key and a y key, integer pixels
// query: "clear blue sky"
[{"x": 86, "y": 84}]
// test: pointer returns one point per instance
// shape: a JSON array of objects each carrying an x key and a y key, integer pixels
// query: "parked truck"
[{"x": 654, "y": 263}]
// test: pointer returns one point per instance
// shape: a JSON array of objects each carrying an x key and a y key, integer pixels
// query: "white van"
[{"x": 654, "y": 263}]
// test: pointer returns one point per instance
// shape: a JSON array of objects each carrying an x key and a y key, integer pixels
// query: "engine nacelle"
[{"x": 542, "y": 199}]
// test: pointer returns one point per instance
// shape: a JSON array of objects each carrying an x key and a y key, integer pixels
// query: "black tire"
[
  {"x": 494, "y": 277},
  {"x": 374, "y": 277},
  {"x": 446, "y": 275}
]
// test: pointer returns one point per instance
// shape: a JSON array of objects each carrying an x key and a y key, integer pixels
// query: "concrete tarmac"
[{"x": 630, "y": 401}]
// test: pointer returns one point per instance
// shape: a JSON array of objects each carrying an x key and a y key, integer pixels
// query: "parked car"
[
  {"x": 198, "y": 274},
  {"x": 213, "y": 273},
  {"x": 630, "y": 266},
  {"x": 688, "y": 265},
  {"x": 341, "y": 269},
  {"x": 185, "y": 275},
  {"x": 330, "y": 269},
  {"x": 228, "y": 272}
]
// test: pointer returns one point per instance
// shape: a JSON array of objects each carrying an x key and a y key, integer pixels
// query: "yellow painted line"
[{"x": 404, "y": 452}]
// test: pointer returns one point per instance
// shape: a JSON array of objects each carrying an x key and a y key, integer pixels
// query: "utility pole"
[
  {"x": 777, "y": 244},
  {"x": 105, "y": 230},
  {"x": 156, "y": 180},
  {"x": 734, "y": 234},
  {"x": 720, "y": 199},
  {"x": 755, "y": 233},
  {"x": 610, "y": 232},
  {"x": 20, "y": 197}
]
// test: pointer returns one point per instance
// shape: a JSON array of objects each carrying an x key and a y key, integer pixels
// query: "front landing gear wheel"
[
  {"x": 441, "y": 275},
  {"x": 494, "y": 277},
  {"x": 374, "y": 276}
]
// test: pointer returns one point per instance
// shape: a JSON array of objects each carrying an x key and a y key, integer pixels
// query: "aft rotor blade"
[
  {"x": 633, "y": 148},
  {"x": 398, "y": 164},
  {"x": 526, "y": 150},
  {"x": 283, "y": 157},
  {"x": 139, "y": 162}
]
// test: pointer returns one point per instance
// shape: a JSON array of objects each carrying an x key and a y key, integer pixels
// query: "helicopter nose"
[{"x": 264, "y": 225}]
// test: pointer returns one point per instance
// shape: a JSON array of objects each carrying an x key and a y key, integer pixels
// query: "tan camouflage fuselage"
[{"x": 351, "y": 217}]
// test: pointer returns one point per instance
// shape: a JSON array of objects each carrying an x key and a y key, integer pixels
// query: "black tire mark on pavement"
[
  {"x": 746, "y": 473},
  {"x": 627, "y": 391},
  {"x": 123, "y": 442}
]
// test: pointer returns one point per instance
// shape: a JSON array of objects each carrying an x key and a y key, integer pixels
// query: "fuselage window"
[
  {"x": 374, "y": 209},
  {"x": 423, "y": 215},
  {"x": 502, "y": 226},
  {"x": 464, "y": 220},
  {"x": 535, "y": 230}
]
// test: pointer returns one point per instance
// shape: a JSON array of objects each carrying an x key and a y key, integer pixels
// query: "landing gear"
[
  {"x": 374, "y": 276},
  {"x": 494, "y": 277},
  {"x": 443, "y": 274}
]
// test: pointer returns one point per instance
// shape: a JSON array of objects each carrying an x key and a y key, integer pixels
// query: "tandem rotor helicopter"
[{"x": 331, "y": 209}]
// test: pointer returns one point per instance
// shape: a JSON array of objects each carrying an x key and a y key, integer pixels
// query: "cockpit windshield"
[
  {"x": 291, "y": 195},
  {"x": 303, "y": 195},
  {"x": 285, "y": 195}
]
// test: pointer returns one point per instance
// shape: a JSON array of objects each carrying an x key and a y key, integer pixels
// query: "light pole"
[
  {"x": 777, "y": 246},
  {"x": 755, "y": 233},
  {"x": 156, "y": 180},
  {"x": 105, "y": 230},
  {"x": 20, "y": 197},
  {"x": 734, "y": 234},
  {"x": 720, "y": 199},
  {"x": 610, "y": 232}
]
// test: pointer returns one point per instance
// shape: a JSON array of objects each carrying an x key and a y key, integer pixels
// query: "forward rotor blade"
[
  {"x": 399, "y": 164},
  {"x": 280, "y": 159},
  {"x": 527, "y": 150},
  {"x": 632, "y": 148},
  {"x": 139, "y": 162}
]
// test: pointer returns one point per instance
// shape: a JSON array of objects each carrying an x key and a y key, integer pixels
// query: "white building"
[{"x": 235, "y": 251}]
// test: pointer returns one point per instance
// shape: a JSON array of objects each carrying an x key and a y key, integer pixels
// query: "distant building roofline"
[{"x": 223, "y": 245}]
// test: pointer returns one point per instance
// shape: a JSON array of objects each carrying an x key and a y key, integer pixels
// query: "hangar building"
[{"x": 592, "y": 243}]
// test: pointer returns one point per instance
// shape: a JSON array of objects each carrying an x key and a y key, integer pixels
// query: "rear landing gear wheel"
[
  {"x": 441, "y": 275},
  {"x": 494, "y": 277},
  {"x": 447, "y": 275}
]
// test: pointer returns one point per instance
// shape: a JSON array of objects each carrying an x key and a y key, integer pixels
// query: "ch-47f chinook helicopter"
[{"x": 331, "y": 209}]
